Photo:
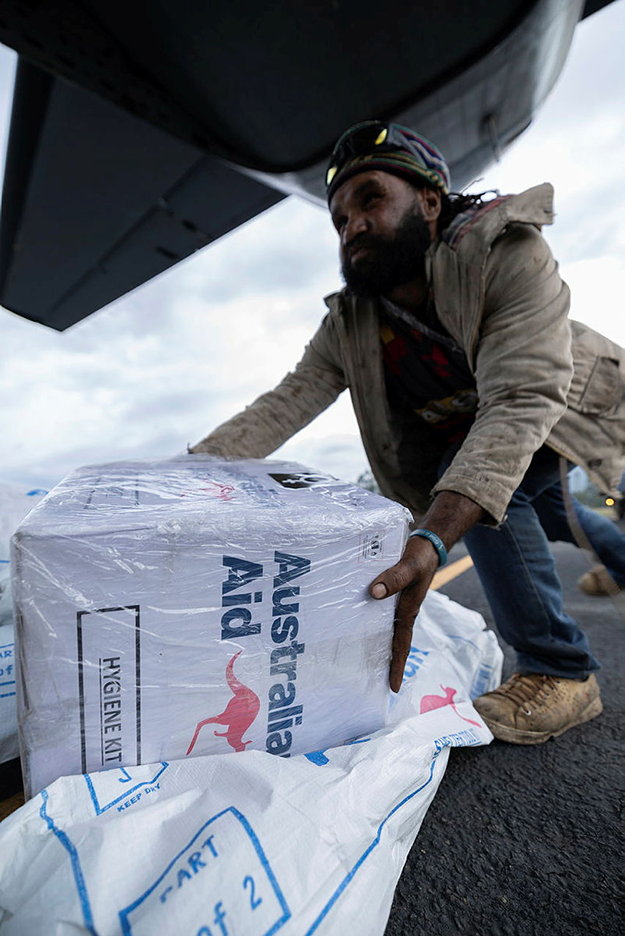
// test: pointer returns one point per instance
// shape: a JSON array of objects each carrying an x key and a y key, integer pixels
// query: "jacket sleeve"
[
  {"x": 523, "y": 369},
  {"x": 274, "y": 417}
]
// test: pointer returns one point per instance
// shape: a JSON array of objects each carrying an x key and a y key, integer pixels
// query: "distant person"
[
  {"x": 604, "y": 579},
  {"x": 468, "y": 382}
]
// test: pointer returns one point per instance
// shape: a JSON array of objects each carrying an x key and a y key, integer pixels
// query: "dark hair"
[{"x": 455, "y": 203}]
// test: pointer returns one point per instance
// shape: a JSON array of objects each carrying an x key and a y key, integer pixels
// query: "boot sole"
[{"x": 516, "y": 736}]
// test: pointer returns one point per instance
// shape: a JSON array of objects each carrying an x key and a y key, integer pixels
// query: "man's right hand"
[
  {"x": 411, "y": 577},
  {"x": 450, "y": 516}
]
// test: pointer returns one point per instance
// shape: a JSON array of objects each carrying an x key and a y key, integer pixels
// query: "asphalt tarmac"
[{"x": 522, "y": 841}]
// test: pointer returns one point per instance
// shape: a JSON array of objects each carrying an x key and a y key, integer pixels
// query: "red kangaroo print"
[
  {"x": 238, "y": 714},
  {"x": 429, "y": 702}
]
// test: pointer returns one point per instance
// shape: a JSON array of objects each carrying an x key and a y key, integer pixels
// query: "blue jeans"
[{"x": 518, "y": 574}]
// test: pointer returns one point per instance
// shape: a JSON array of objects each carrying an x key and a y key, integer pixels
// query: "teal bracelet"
[{"x": 436, "y": 542}]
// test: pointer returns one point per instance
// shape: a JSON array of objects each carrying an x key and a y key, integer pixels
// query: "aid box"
[{"x": 168, "y": 609}]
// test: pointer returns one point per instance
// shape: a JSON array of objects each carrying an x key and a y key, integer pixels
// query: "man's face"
[{"x": 383, "y": 233}]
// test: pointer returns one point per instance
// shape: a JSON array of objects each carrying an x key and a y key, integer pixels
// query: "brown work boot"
[
  {"x": 598, "y": 583},
  {"x": 531, "y": 708}
]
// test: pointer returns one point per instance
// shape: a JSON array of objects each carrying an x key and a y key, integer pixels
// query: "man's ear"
[{"x": 430, "y": 204}]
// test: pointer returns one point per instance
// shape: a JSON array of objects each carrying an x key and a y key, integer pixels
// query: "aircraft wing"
[
  {"x": 97, "y": 202},
  {"x": 141, "y": 132}
]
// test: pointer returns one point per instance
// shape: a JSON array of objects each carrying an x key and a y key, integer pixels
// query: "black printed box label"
[
  {"x": 371, "y": 546},
  {"x": 109, "y": 687},
  {"x": 221, "y": 882}
]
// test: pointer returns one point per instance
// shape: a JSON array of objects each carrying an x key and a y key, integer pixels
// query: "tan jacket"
[{"x": 539, "y": 377}]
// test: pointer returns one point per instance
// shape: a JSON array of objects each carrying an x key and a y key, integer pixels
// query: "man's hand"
[
  {"x": 450, "y": 516},
  {"x": 412, "y": 577}
]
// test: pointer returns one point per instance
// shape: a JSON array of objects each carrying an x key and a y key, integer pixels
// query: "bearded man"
[{"x": 469, "y": 385}]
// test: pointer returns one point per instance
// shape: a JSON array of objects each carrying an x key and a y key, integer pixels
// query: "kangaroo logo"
[
  {"x": 238, "y": 714},
  {"x": 429, "y": 702}
]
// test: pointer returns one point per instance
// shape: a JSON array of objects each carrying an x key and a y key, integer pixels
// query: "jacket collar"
[{"x": 534, "y": 206}]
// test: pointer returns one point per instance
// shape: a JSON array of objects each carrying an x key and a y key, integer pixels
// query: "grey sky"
[{"x": 161, "y": 367}]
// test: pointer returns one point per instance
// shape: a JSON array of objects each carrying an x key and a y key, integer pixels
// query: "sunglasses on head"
[{"x": 364, "y": 139}]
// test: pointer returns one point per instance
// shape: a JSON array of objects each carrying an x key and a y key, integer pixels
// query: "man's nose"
[{"x": 355, "y": 224}]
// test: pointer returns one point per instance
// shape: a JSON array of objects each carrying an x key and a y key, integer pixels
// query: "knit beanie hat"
[{"x": 388, "y": 147}]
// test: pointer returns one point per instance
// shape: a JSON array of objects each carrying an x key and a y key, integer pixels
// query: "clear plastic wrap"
[
  {"x": 195, "y": 606},
  {"x": 15, "y": 503}
]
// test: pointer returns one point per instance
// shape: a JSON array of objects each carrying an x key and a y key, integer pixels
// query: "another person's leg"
[{"x": 605, "y": 537}]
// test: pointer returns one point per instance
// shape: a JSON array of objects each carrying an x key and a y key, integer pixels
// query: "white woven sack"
[{"x": 252, "y": 844}]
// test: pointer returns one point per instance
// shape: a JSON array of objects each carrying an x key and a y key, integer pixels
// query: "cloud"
[
  {"x": 164, "y": 365},
  {"x": 340, "y": 455},
  {"x": 160, "y": 368},
  {"x": 597, "y": 294},
  {"x": 577, "y": 143}
]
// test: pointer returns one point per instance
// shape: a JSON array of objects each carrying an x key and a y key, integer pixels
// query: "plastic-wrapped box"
[
  {"x": 15, "y": 502},
  {"x": 195, "y": 606}
]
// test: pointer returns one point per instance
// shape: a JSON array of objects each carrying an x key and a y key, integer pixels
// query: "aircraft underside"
[{"x": 142, "y": 132}]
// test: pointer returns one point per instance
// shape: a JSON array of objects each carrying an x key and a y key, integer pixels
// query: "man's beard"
[{"x": 392, "y": 261}]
